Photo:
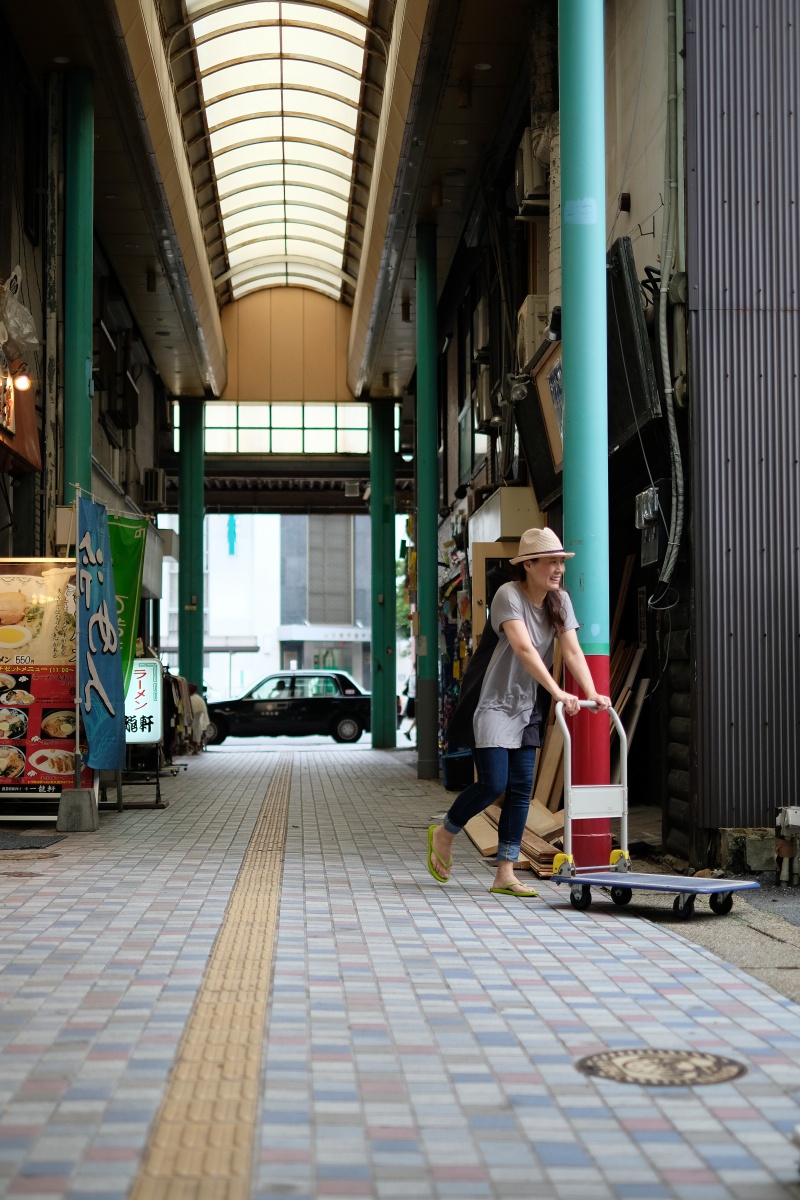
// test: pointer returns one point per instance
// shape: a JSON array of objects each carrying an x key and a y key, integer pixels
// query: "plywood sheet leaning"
[
  {"x": 630, "y": 723},
  {"x": 483, "y": 834},
  {"x": 547, "y": 790}
]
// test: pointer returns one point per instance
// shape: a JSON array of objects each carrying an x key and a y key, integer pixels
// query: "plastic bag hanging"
[{"x": 17, "y": 321}]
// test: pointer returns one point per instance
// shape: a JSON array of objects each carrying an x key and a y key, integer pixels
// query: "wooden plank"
[
  {"x": 556, "y": 797},
  {"x": 627, "y": 572},
  {"x": 633, "y": 669},
  {"x": 630, "y": 724},
  {"x": 552, "y": 752},
  {"x": 483, "y": 834},
  {"x": 636, "y": 708},
  {"x": 557, "y": 672},
  {"x": 543, "y": 822}
]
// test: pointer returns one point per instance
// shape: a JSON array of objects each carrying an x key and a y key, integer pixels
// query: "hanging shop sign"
[
  {"x": 100, "y": 690},
  {"x": 38, "y": 716},
  {"x": 143, "y": 702},
  {"x": 128, "y": 537}
]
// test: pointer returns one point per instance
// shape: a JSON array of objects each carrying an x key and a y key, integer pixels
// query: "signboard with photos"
[{"x": 38, "y": 715}]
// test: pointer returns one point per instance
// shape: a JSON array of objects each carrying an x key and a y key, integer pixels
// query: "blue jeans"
[{"x": 499, "y": 770}]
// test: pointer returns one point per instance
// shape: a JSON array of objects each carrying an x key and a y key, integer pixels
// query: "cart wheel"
[
  {"x": 621, "y": 896},
  {"x": 683, "y": 909},
  {"x": 721, "y": 903},
  {"x": 580, "y": 897}
]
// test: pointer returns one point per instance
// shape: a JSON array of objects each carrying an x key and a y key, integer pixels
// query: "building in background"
[{"x": 280, "y": 592}]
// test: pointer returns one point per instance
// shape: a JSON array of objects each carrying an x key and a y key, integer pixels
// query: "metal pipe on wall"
[
  {"x": 584, "y": 352},
  {"x": 191, "y": 501},
  {"x": 427, "y": 527},
  {"x": 78, "y": 281},
  {"x": 384, "y": 575},
  {"x": 51, "y": 382}
]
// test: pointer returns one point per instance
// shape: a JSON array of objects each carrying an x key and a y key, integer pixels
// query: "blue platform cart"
[{"x": 589, "y": 801}]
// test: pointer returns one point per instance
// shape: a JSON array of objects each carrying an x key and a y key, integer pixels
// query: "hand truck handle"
[{"x": 562, "y": 724}]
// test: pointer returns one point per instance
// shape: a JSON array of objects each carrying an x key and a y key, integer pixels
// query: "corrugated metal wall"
[{"x": 743, "y": 254}]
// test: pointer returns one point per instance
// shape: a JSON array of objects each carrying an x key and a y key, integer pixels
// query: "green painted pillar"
[
  {"x": 191, "y": 504},
  {"x": 427, "y": 529},
  {"x": 384, "y": 587},
  {"x": 78, "y": 279},
  {"x": 584, "y": 351}
]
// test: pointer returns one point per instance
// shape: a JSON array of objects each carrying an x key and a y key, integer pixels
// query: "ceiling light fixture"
[{"x": 483, "y": 66}]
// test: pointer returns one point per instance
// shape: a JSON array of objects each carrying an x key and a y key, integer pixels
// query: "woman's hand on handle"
[
  {"x": 572, "y": 705},
  {"x": 603, "y": 702}
]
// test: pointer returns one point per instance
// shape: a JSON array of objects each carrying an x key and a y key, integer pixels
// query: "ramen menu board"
[{"x": 37, "y": 678}]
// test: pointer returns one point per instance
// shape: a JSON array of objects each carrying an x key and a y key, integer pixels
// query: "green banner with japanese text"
[{"x": 128, "y": 538}]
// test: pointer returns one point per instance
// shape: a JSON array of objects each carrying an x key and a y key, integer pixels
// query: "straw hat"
[{"x": 535, "y": 543}]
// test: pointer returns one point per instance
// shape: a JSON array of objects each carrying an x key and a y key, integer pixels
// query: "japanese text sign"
[
  {"x": 143, "y": 702},
  {"x": 99, "y": 660}
]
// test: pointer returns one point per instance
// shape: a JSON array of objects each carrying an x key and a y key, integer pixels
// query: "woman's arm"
[
  {"x": 576, "y": 664},
  {"x": 520, "y": 642}
]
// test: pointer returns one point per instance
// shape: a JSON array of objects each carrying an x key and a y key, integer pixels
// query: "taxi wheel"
[
  {"x": 346, "y": 729},
  {"x": 216, "y": 732}
]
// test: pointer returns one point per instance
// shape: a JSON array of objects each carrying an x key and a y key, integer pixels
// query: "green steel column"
[
  {"x": 78, "y": 276},
  {"x": 191, "y": 503},
  {"x": 584, "y": 349},
  {"x": 427, "y": 531},
  {"x": 384, "y": 586}
]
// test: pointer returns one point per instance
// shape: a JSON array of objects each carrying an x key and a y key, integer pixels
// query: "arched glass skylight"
[{"x": 281, "y": 85}]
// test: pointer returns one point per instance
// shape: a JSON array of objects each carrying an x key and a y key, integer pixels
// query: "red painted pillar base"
[{"x": 591, "y": 840}]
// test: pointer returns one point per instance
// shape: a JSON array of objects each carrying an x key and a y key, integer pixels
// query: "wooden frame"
[
  {"x": 481, "y": 551},
  {"x": 549, "y": 386}
]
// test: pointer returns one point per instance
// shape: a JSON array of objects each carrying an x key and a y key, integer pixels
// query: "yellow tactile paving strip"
[{"x": 201, "y": 1147}]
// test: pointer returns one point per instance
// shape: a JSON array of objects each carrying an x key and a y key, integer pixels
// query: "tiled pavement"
[{"x": 420, "y": 1040}]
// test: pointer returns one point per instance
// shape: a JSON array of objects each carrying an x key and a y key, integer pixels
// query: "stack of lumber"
[{"x": 541, "y": 830}]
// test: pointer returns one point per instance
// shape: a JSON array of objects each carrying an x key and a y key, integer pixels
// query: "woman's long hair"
[{"x": 553, "y": 604}]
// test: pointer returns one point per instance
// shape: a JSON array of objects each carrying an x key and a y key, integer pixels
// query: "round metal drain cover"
[{"x": 661, "y": 1068}]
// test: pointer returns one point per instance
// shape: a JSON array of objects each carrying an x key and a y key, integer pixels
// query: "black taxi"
[{"x": 294, "y": 704}]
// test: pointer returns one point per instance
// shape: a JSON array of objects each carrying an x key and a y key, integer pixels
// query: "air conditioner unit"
[
  {"x": 154, "y": 489},
  {"x": 530, "y": 178},
  {"x": 480, "y": 331},
  {"x": 532, "y": 321},
  {"x": 482, "y": 398}
]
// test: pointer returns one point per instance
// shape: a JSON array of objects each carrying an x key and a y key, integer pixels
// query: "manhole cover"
[{"x": 661, "y": 1068}]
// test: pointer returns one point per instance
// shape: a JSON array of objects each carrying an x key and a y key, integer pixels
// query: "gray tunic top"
[{"x": 509, "y": 692}]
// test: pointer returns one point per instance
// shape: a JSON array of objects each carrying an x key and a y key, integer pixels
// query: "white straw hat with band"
[{"x": 535, "y": 543}]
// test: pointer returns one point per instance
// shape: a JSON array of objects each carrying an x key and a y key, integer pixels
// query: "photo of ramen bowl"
[
  {"x": 59, "y": 724},
  {"x": 12, "y": 637},
  {"x": 16, "y": 696},
  {"x": 13, "y": 723},
  {"x": 12, "y": 762},
  {"x": 53, "y": 762},
  {"x": 7, "y": 681}
]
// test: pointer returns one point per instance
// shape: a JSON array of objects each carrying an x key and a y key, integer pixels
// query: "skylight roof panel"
[
  {"x": 250, "y": 128},
  {"x": 303, "y": 248},
  {"x": 313, "y": 73},
  {"x": 259, "y": 73},
  {"x": 333, "y": 203},
  {"x": 264, "y": 176},
  {"x": 316, "y": 131},
  {"x": 268, "y": 10},
  {"x": 248, "y": 156},
  {"x": 313, "y": 177},
  {"x": 326, "y": 16},
  {"x": 249, "y": 104},
  {"x": 313, "y": 43},
  {"x": 320, "y": 105},
  {"x": 239, "y": 44}
]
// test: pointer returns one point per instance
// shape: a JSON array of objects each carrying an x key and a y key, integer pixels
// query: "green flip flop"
[
  {"x": 439, "y": 878},
  {"x": 522, "y": 893}
]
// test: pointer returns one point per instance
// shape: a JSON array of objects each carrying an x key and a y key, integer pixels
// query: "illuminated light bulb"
[{"x": 22, "y": 382}]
